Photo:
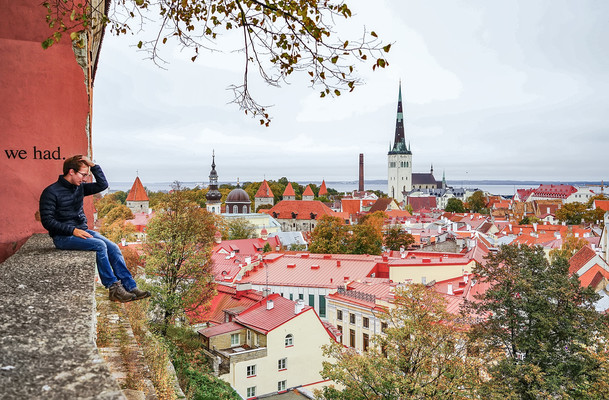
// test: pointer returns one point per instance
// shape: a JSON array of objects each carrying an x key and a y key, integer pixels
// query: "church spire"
[{"x": 399, "y": 142}]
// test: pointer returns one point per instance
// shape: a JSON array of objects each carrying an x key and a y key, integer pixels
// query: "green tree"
[
  {"x": 329, "y": 236},
  {"x": 178, "y": 253},
  {"x": 454, "y": 205},
  {"x": 571, "y": 213},
  {"x": 365, "y": 240},
  {"x": 420, "y": 356},
  {"x": 267, "y": 248},
  {"x": 395, "y": 238},
  {"x": 477, "y": 202},
  {"x": 278, "y": 37},
  {"x": 540, "y": 326},
  {"x": 239, "y": 228}
]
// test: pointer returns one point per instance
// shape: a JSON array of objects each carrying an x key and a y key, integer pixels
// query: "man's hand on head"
[
  {"x": 81, "y": 234},
  {"x": 89, "y": 162}
]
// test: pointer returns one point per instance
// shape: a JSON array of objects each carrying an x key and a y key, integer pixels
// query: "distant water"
[{"x": 503, "y": 188}]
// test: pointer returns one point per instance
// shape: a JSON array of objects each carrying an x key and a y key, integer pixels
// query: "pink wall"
[{"x": 43, "y": 106}]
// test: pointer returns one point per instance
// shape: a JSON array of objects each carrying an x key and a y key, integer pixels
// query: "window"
[
  {"x": 340, "y": 329},
  {"x": 339, "y": 315},
  {"x": 351, "y": 338},
  {"x": 251, "y": 392},
  {"x": 352, "y": 318},
  {"x": 289, "y": 340},
  {"x": 234, "y": 339},
  {"x": 281, "y": 386},
  {"x": 282, "y": 364},
  {"x": 366, "y": 322},
  {"x": 383, "y": 326},
  {"x": 312, "y": 300},
  {"x": 300, "y": 296},
  {"x": 322, "y": 306},
  {"x": 366, "y": 341},
  {"x": 235, "y": 210},
  {"x": 291, "y": 296},
  {"x": 249, "y": 335},
  {"x": 251, "y": 370}
]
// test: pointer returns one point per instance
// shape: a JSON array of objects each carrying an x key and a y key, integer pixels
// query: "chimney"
[
  {"x": 465, "y": 277},
  {"x": 337, "y": 263},
  {"x": 124, "y": 242},
  {"x": 449, "y": 289},
  {"x": 269, "y": 304},
  {"x": 298, "y": 306},
  {"x": 535, "y": 226},
  {"x": 361, "y": 172}
]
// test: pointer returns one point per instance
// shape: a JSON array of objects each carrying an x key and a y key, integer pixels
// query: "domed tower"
[
  {"x": 238, "y": 201},
  {"x": 213, "y": 195}
]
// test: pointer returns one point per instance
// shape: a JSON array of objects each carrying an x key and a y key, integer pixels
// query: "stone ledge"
[{"x": 47, "y": 326}]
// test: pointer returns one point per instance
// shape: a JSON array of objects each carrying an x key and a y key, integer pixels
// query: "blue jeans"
[{"x": 110, "y": 262}]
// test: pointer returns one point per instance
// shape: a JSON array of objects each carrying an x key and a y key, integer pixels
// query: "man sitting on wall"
[{"x": 62, "y": 214}]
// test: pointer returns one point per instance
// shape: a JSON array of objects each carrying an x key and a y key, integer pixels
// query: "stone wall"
[{"x": 47, "y": 326}]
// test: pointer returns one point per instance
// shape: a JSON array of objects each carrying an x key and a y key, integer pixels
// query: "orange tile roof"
[
  {"x": 137, "y": 192},
  {"x": 289, "y": 190},
  {"x": 593, "y": 276},
  {"x": 398, "y": 213},
  {"x": 602, "y": 204},
  {"x": 303, "y": 209},
  {"x": 350, "y": 206},
  {"x": 264, "y": 191},
  {"x": 308, "y": 191},
  {"x": 322, "y": 189}
]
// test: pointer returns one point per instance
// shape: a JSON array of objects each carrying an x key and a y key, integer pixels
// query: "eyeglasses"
[{"x": 83, "y": 174}]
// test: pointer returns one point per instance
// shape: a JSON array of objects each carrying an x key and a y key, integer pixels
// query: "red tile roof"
[
  {"x": 289, "y": 190},
  {"x": 523, "y": 194},
  {"x": 593, "y": 276},
  {"x": 285, "y": 208},
  {"x": 227, "y": 298},
  {"x": 555, "y": 191},
  {"x": 419, "y": 203},
  {"x": 322, "y": 189},
  {"x": 313, "y": 270},
  {"x": 350, "y": 206},
  {"x": 259, "y": 318},
  {"x": 220, "y": 329},
  {"x": 580, "y": 259},
  {"x": 264, "y": 191},
  {"x": 137, "y": 192}
]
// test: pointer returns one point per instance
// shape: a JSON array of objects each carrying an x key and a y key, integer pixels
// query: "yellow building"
[{"x": 270, "y": 347}]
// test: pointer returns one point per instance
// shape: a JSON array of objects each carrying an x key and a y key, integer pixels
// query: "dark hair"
[{"x": 74, "y": 162}]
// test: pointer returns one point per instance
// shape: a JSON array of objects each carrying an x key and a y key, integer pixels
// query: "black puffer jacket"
[{"x": 61, "y": 203}]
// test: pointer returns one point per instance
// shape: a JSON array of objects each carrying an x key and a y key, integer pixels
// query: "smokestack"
[{"x": 361, "y": 172}]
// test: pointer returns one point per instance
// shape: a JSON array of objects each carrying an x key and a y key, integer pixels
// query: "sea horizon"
[{"x": 501, "y": 187}]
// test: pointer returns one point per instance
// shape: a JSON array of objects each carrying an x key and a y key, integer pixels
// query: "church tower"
[
  {"x": 399, "y": 159},
  {"x": 213, "y": 195}
]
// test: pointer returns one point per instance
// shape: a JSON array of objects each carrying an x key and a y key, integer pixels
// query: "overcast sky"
[{"x": 491, "y": 89}]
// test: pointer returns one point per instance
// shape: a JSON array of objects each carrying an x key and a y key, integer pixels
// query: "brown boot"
[
  {"x": 118, "y": 293},
  {"x": 139, "y": 294}
]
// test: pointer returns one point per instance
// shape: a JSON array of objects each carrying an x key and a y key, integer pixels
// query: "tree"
[
  {"x": 329, "y": 236},
  {"x": 395, "y": 238},
  {"x": 239, "y": 228},
  {"x": 570, "y": 246},
  {"x": 278, "y": 37},
  {"x": 477, "y": 202},
  {"x": 376, "y": 220},
  {"x": 571, "y": 213},
  {"x": 365, "y": 239},
  {"x": 267, "y": 248},
  {"x": 178, "y": 253},
  {"x": 420, "y": 356},
  {"x": 590, "y": 202},
  {"x": 540, "y": 325},
  {"x": 118, "y": 230},
  {"x": 454, "y": 205}
]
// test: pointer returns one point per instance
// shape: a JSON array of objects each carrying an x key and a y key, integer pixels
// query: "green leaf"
[
  {"x": 47, "y": 43},
  {"x": 334, "y": 59},
  {"x": 139, "y": 45},
  {"x": 373, "y": 33},
  {"x": 386, "y": 48}
]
